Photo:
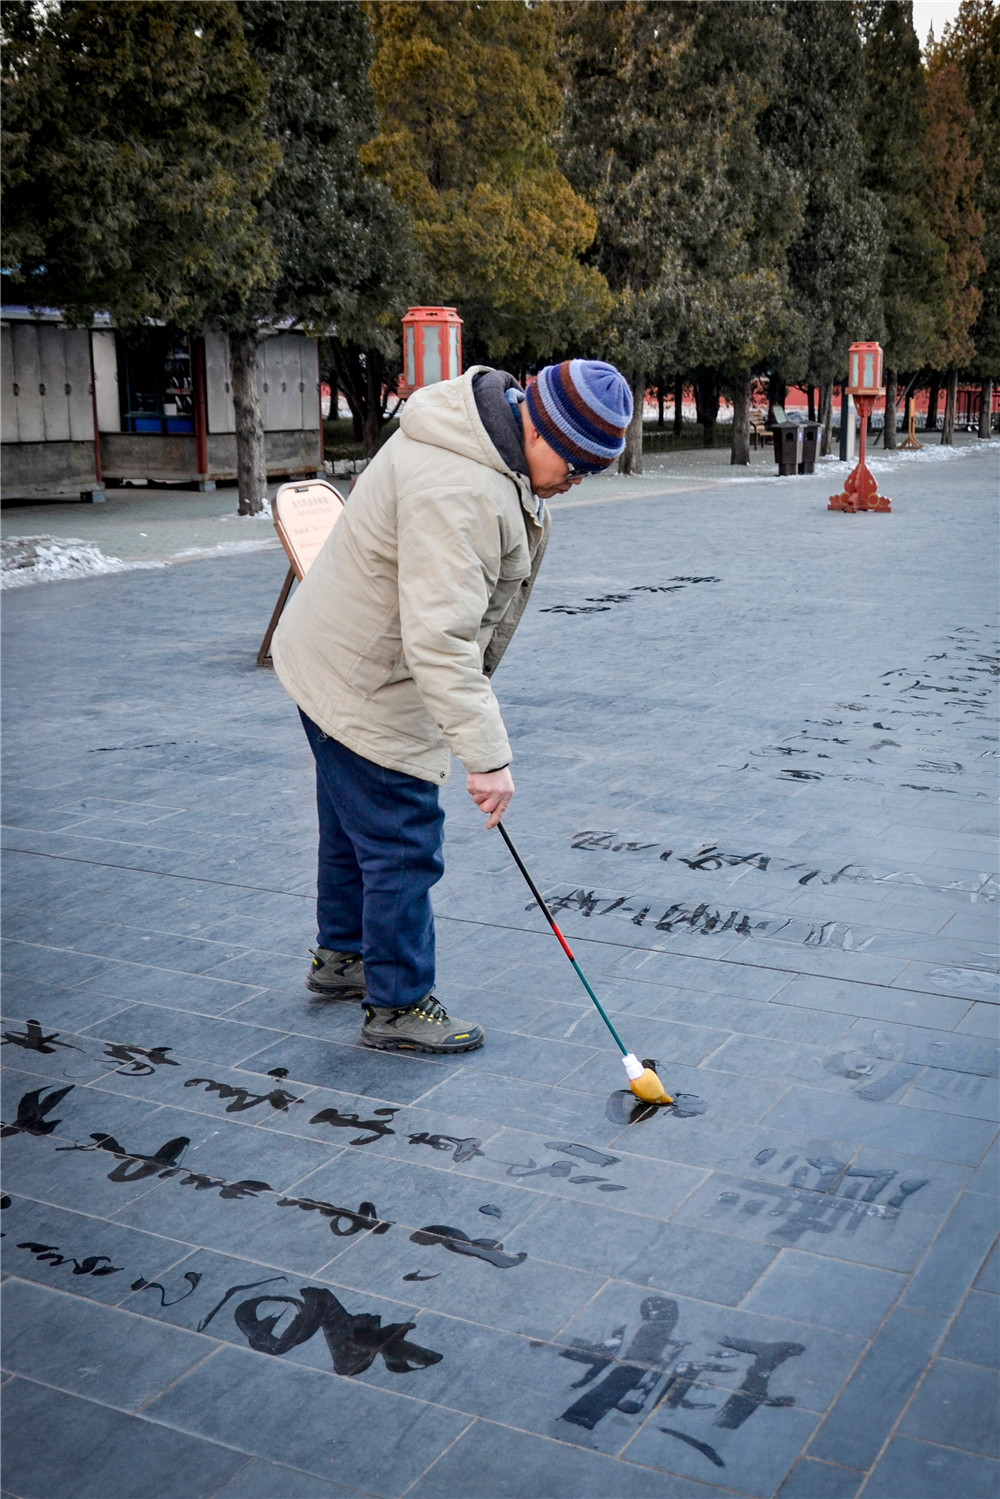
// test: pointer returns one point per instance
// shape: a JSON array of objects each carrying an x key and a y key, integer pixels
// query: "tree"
[
  {"x": 198, "y": 164},
  {"x": 738, "y": 300},
  {"x": 623, "y": 151},
  {"x": 836, "y": 261},
  {"x": 470, "y": 103},
  {"x": 343, "y": 247},
  {"x": 952, "y": 173},
  {"x": 893, "y": 130},
  {"x": 661, "y": 136},
  {"x": 134, "y": 160},
  {"x": 972, "y": 43}
]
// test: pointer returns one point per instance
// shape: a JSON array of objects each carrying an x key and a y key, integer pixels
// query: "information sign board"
[{"x": 304, "y": 515}]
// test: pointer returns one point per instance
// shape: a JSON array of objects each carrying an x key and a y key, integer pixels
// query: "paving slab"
[{"x": 755, "y": 763}]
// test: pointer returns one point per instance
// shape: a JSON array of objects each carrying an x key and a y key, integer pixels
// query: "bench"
[{"x": 759, "y": 431}]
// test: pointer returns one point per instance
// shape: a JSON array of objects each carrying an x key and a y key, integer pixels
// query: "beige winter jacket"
[{"x": 422, "y": 580}]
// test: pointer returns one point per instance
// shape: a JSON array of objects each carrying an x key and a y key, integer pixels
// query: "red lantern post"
[
  {"x": 864, "y": 383},
  {"x": 432, "y": 347}
]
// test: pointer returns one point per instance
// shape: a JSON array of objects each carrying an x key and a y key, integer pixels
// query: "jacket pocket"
[{"x": 367, "y": 675}]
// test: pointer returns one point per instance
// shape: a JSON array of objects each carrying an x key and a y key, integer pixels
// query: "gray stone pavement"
[{"x": 756, "y": 761}]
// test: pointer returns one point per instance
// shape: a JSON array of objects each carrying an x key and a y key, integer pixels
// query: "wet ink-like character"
[
  {"x": 49, "y": 1254},
  {"x": 712, "y": 858},
  {"x": 343, "y": 1221},
  {"x": 840, "y": 1198},
  {"x": 165, "y": 1163},
  {"x": 640, "y": 1368},
  {"x": 31, "y": 1111},
  {"x": 193, "y": 1278},
  {"x": 464, "y": 1150},
  {"x": 562, "y": 1171},
  {"x": 453, "y": 1239},
  {"x": 355, "y": 1340},
  {"x": 583, "y": 1153},
  {"x": 592, "y": 839},
  {"x": 625, "y": 1385},
  {"x": 135, "y": 1168},
  {"x": 242, "y": 1098},
  {"x": 130, "y": 1059},
  {"x": 275, "y": 1322},
  {"x": 32, "y": 1038},
  {"x": 379, "y": 1126}
]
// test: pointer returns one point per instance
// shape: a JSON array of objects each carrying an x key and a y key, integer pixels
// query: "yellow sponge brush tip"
[{"x": 649, "y": 1088}]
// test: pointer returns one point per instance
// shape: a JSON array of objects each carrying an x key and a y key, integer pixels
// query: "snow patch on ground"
[
  {"x": 884, "y": 464},
  {"x": 47, "y": 559},
  {"x": 264, "y": 514},
  {"x": 44, "y": 559},
  {"x": 228, "y": 548}
]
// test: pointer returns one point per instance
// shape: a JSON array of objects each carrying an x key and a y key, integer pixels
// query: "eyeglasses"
[{"x": 577, "y": 473}]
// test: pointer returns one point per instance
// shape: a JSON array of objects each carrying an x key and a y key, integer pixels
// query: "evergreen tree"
[
  {"x": 952, "y": 173},
  {"x": 738, "y": 298},
  {"x": 836, "y": 261},
  {"x": 893, "y": 130},
  {"x": 344, "y": 248},
  {"x": 470, "y": 105},
  {"x": 624, "y": 148},
  {"x": 134, "y": 158},
  {"x": 199, "y": 164},
  {"x": 972, "y": 43},
  {"x": 661, "y": 137}
]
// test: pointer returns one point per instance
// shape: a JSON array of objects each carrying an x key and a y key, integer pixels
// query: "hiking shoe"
[
  {"x": 336, "y": 974},
  {"x": 425, "y": 1026}
]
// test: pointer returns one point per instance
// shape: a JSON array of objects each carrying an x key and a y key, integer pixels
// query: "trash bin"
[
  {"x": 810, "y": 447},
  {"x": 787, "y": 446}
]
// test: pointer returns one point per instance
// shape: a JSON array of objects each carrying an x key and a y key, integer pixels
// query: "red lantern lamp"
[
  {"x": 865, "y": 363},
  {"x": 864, "y": 383},
  {"x": 432, "y": 347}
]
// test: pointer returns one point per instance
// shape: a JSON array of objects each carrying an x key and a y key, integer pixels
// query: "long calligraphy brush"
[{"x": 642, "y": 1080}]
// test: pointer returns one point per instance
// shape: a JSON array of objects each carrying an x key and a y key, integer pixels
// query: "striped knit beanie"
[{"x": 581, "y": 408}]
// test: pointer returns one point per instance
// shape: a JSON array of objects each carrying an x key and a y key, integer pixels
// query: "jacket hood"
[{"x": 446, "y": 416}]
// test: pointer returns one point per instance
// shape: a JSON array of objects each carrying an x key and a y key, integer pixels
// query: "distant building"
[{"x": 83, "y": 408}]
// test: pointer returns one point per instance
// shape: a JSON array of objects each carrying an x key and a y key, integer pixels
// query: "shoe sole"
[
  {"x": 436, "y": 1051},
  {"x": 335, "y": 991}
]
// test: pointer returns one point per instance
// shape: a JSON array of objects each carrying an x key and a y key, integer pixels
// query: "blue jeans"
[{"x": 380, "y": 839}]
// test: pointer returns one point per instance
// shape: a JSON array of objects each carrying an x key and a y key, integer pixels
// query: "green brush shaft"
[
  {"x": 562, "y": 940},
  {"x": 600, "y": 1008}
]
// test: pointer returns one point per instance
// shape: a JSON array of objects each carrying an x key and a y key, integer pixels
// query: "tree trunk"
[
  {"x": 350, "y": 378},
  {"x": 630, "y": 461},
  {"x": 986, "y": 410},
  {"x": 950, "y": 402},
  {"x": 739, "y": 451},
  {"x": 659, "y": 405},
  {"x": 777, "y": 390},
  {"x": 707, "y": 396},
  {"x": 932, "y": 404},
  {"x": 826, "y": 416},
  {"x": 360, "y": 374},
  {"x": 889, "y": 429},
  {"x": 373, "y": 402},
  {"x": 679, "y": 406},
  {"x": 811, "y": 398},
  {"x": 251, "y": 462}
]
